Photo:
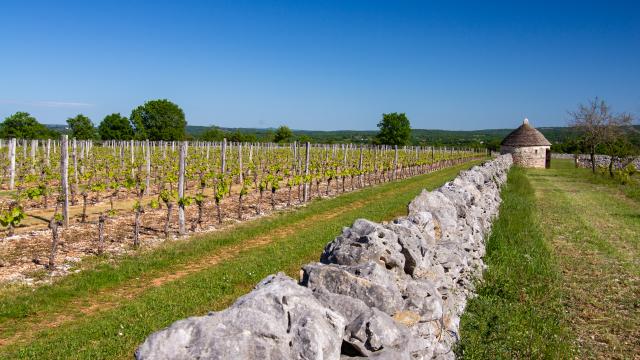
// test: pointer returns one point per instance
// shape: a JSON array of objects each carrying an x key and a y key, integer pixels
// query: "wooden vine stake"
[
  {"x": 74, "y": 157},
  {"x": 306, "y": 174},
  {"x": 360, "y": 168},
  {"x": 12, "y": 163},
  {"x": 223, "y": 154},
  {"x": 294, "y": 161},
  {"x": 48, "y": 158},
  {"x": 240, "y": 174},
  {"x": 181, "y": 215},
  {"x": 34, "y": 148},
  {"x": 148, "y": 159},
  {"x": 395, "y": 163},
  {"x": 133, "y": 159},
  {"x": 64, "y": 177}
]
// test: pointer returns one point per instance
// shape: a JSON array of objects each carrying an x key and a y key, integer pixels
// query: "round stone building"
[{"x": 528, "y": 147}]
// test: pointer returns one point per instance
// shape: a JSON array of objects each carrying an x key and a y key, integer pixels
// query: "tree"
[
  {"x": 216, "y": 134},
  {"x": 598, "y": 125},
  {"x": 159, "y": 120},
  {"x": 81, "y": 127},
  {"x": 618, "y": 150},
  {"x": 22, "y": 125},
  {"x": 238, "y": 136},
  {"x": 395, "y": 129},
  {"x": 569, "y": 146},
  {"x": 302, "y": 139},
  {"x": 212, "y": 134},
  {"x": 283, "y": 134},
  {"x": 617, "y": 143},
  {"x": 115, "y": 127}
]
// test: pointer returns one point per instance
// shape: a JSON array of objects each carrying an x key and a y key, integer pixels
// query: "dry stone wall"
[
  {"x": 603, "y": 161},
  {"x": 383, "y": 291},
  {"x": 563, "y": 156},
  {"x": 584, "y": 160}
]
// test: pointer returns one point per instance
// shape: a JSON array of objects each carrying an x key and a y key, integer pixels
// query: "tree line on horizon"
[
  {"x": 155, "y": 120},
  {"x": 163, "y": 120}
]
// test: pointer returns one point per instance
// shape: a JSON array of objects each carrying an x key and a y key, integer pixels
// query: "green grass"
[
  {"x": 563, "y": 274},
  {"x": 115, "y": 333},
  {"x": 631, "y": 189},
  {"x": 602, "y": 177},
  {"x": 593, "y": 228},
  {"x": 518, "y": 312}
]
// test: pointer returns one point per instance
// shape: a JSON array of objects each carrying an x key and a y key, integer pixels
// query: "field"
[
  {"x": 564, "y": 276},
  {"x": 104, "y": 312},
  {"x": 122, "y": 196}
]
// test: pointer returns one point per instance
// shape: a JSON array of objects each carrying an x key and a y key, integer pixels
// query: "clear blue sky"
[{"x": 321, "y": 64}]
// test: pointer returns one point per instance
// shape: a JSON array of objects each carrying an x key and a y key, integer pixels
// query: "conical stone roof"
[{"x": 525, "y": 135}]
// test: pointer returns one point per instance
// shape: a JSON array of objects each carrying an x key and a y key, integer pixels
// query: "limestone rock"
[
  {"x": 369, "y": 282},
  {"x": 442, "y": 210},
  {"x": 363, "y": 242},
  {"x": 277, "y": 320}
]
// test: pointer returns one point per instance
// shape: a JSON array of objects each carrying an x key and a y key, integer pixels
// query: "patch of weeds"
[{"x": 39, "y": 275}]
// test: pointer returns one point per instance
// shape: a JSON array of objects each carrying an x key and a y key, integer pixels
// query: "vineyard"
[{"x": 61, "y": 200}]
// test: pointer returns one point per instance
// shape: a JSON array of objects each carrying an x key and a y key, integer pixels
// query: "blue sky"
[{"x": 321, "y": 64}]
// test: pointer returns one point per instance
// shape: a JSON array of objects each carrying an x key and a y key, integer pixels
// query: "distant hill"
[
  {"x": 57, "y": 127},
  {"x": 555, "y": 134},
  {"x": 420, "y": 136}
]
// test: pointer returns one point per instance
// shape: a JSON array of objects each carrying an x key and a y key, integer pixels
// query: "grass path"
[
  {"x": 518, "y": 311},
  {"x": 594, "y": 232},
  {"x": 107, "y": 311},
  {"x": 563, "y": 278}
]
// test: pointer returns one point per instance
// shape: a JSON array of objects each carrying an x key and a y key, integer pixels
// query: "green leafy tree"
[
  {"x": 395, "y": 129},
  {"x": 212, "y": 134},
  {"x": 304, "y": 139},
  {"x": 283, "y": 134},
  {"x": 81, "y": 127},
  {"x": 22, "y": 125},
  {"x": 115, "y": 127},
  {"x": 159, "y": 120},
  {"x": 620, "y": 150},
  {"x": 238, "y": 136}
]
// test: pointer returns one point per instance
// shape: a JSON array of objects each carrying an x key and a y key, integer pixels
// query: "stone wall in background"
[
  {"x": 386, "y": 291},
  {"x": 584, "y": 160},
  {"x": 563, "y": 156}
]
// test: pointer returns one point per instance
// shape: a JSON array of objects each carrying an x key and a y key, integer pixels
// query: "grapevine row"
[{"x": 53, "y": 175}]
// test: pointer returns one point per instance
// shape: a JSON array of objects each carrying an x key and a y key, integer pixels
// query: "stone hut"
[{"x": 528, "y": 147}]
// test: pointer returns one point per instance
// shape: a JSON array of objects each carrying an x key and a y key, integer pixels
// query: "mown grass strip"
[
  {"x": 518, "y": 312},
  {"x": 605, "y": 232},
  {"x": 594, "y": 231},
  {"x": 116, "y": 332}
]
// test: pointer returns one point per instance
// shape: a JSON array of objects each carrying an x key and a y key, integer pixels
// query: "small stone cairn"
[{"x": 381, "y": 291}]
